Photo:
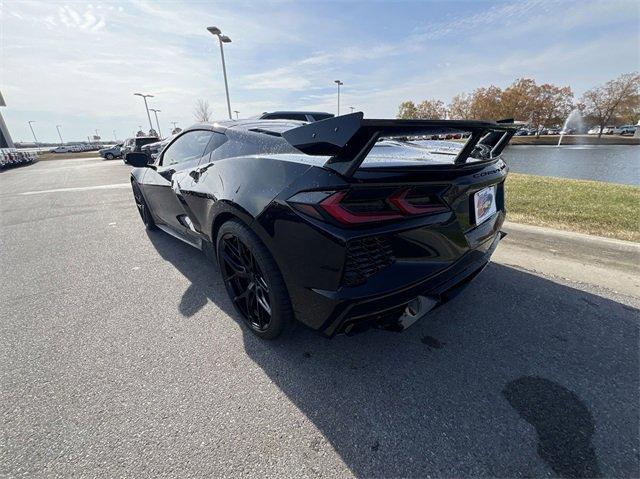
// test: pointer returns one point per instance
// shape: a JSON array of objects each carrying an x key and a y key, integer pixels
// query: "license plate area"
[{"x": 484, "y": 204}]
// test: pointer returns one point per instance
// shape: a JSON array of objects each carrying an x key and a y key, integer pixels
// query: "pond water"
[{"x": 609, "y": 163}]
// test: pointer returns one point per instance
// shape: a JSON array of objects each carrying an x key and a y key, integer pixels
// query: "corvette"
[{"x": 342, "y": 224}]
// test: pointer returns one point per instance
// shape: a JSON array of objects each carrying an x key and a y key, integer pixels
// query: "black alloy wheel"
[
  {"x": 143, "y": 209},
  {"x": 245, "y": 281},
  {"x": 253, "y": 280}
]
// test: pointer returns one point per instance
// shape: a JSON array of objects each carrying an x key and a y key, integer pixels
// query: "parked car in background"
[
  {"x": 308, "y": 116},
  {"x": 12, "y": 157},
  {"x": 395, "y": 229},
  {"x": 152, "y": 150},
  {"x": 112, "y": 152},
  {"x": 607, "y": 130},
  {"x": 84, "y": 147},
  {"x": 624, "y": 130},
  {"x": 62, "y": 149},
  {"x": 135, "y": 144}
]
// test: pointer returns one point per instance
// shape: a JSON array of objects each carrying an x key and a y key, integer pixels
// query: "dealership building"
[{"x": 5, "y": 137}]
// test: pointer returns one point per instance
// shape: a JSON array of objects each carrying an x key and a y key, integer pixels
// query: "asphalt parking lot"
[{"x": 120, "y": 355}]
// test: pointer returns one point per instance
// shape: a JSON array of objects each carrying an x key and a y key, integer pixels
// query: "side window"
[
  {"x": 217, "y": 139},
  {"x": 189, "y": 146}
]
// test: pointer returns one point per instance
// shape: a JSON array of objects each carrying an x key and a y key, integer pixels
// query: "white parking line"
[{"x": 79, "y": 188}]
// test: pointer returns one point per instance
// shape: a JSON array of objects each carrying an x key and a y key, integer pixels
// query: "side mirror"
[{"x": 137, "y": 160}]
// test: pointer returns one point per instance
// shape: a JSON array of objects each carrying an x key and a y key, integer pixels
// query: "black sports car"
[{"x": 333, "y": 223}]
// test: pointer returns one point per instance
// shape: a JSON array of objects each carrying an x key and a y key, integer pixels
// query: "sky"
[{"x": 78, "y": 64}]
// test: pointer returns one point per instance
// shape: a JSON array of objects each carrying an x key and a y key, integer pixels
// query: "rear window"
[{"x": 322, "y": 116}]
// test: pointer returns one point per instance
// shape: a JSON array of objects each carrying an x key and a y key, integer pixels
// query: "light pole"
[
  {"x": 352, "y": 109},
  {"x": 114, "y": 135},
  {"x": 33, "y": 132},
  {"x": 339, "y": 83},
  {"x": 60, "y": 134},
  {"x": 237, "y": 113},
  {"x": 223, "y": 39},
  {"x": 155, "y": 112},
  {"x": 144, "y": 97}
]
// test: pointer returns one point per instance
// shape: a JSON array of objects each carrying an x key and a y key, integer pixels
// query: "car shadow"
[{"x": 518, "y": 376}]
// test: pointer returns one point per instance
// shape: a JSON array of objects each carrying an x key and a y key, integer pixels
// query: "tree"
[
  {"x": 431, "y": 110},
  {"x": 426, "y": 110},
  {"x": 407, "y": 111},
  {"x": 486, "y": 104},
  {"x": 202, "y": 111},
  {"x": 616, "y": 97},
  {"x": 553, "y": 104},
  {"x": 520, "y": 101},
  {"x": 460, "y": 107}
]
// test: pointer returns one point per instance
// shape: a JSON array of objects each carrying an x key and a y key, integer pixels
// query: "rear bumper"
[{"x": 385, "y": 308}]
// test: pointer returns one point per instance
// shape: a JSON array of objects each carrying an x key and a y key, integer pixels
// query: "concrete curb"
[{"x": 541, "y": 230}]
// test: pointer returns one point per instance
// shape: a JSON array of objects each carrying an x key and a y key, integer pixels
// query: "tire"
[
  {"x": 109, "y": 156},
  {"x": 143, "y": 208},
  {"x": 253, "y": 281}
]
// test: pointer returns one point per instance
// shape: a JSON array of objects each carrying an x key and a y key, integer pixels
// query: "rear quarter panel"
[{"x": 243, "y": 186}]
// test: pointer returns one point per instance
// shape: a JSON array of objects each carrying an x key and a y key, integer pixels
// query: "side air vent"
[{"x": 365, "y": 257}]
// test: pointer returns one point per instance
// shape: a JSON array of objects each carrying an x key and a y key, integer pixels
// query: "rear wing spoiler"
[{"x": 349, "y": 138}]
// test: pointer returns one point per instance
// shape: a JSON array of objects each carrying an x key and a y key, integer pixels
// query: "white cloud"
[{"x": 86, "y": 21}]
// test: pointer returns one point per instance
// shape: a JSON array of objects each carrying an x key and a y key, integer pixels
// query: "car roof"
[
  {"x": 161, "y": 142},
  {"x": 289, "y": 112},
  {"x": 249, "y": 125}
]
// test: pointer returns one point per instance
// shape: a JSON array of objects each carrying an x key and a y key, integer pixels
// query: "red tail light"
[
  {"x": 414, "y": 204},
  {"x": 333, "y": 206},
  {"x": 361, "y": 206}
]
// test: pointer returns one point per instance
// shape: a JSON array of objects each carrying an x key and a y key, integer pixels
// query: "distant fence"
[{"x": 11, "y": 157}]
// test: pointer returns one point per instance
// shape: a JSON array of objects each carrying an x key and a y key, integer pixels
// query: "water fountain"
[{"x": 573, "y": 120}]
